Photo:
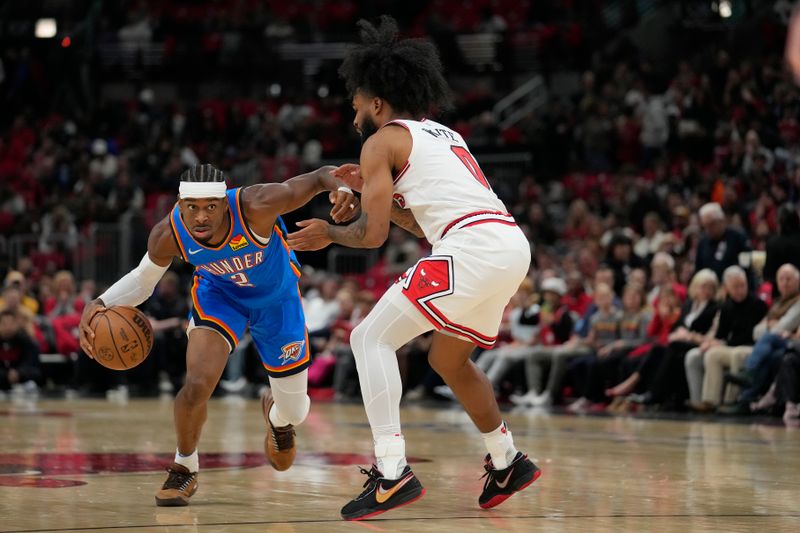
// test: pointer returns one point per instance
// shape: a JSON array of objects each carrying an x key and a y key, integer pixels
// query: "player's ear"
[{"x": 377, "y": 105}]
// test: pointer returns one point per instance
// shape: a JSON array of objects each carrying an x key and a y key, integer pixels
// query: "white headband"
[{"x": 204, "y": 189}]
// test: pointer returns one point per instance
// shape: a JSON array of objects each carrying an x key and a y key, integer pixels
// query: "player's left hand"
[
  {"x": 313, "y": 236},
  {"x": 345, "y": 205}
]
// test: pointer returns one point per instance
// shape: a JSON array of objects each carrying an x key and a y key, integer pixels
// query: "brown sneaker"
[
  {"x": 178, "y": 488},
  {"x": 279, "y": 442}
]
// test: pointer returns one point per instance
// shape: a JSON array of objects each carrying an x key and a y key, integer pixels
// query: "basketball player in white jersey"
[{"x": 421, "y": 175}]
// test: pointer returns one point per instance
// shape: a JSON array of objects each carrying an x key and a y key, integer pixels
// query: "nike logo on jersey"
[
  {"x": 383, "y": 495},
  {"x": 192, "y": 252},
  {"x": 505, "y": 481}
]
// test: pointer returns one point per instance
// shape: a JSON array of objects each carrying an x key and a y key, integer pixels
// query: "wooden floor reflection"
[{"x": 94, "y": 466}]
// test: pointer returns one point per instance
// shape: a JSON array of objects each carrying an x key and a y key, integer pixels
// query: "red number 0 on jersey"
[{"x": 472, "y": 165}]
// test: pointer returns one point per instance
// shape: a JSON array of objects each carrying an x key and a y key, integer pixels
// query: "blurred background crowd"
[{"x": 650, "y": 150}]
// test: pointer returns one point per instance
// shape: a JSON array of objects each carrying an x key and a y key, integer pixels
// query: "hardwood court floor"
[{"x": 91, "y": 465}]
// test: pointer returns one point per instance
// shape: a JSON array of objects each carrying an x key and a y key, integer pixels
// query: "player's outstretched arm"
[
  {"x": 137, "y": 285},
  {"x": 372, "y": 227},
  {"x": 263, "y": 203}
]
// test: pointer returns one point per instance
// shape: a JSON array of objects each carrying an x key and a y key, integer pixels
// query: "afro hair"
[{"x": 407, "y": 73}]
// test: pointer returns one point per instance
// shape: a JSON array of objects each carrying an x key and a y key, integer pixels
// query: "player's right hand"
[
  {"x": 85, "y": 331},
  {"x": 350, "y": 174}
]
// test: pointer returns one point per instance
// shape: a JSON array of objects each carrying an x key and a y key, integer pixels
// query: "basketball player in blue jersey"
[{"x": 245, "y": 276}]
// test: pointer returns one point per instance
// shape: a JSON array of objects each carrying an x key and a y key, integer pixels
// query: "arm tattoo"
[
  {"x": 351, "y": 235},
  {"x": 405, "y": 219}
]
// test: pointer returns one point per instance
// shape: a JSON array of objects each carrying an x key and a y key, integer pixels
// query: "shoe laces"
[
  {"x": 178, "y": 480},
  {"x": 490, "y": 470},
  {"x": 373, "y": 475},
  {"x": 283, "y": 438}
]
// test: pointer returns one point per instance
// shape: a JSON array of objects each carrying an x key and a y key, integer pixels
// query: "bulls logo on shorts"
[{"x": 428, "y": 279}]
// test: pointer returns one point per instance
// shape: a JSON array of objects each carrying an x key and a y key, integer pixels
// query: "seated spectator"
[
  {"x": 523, "y": 323},
  {"x": 621, "y": 260},
  {"x": 771, "y": 339},
  {"x": 603, "y": 276},
  {"x": 732, "y": 343},
  {"x": 660, "y": 369},
  {"x": 18, "y": 279},
  {"x": 555, "y": 325},
  {"x": 12, "y": 301},
  {"x": 321, "y": 307},
  {"x": 336, "y": 358},
  {"x": 668, "y": 384},
  {"x": 720, "y": 244},
  {"x": 63, "y": 310},
  {"x": 603, "y": 370},
  {"x": 785, "y": 246},
  {"x": 59, "y": 233},
  {"x": 602, "y": 331},
  {"x": 19, "y": 355},
  {"x": 788, "y": 387},
  {"x": 577, "y": 299},
  {"x": 167, "y": 310},
  {"x": 662, "y": 276},
  {"x": 66, "y": 300},
  {"x": 649, "y": 243}
]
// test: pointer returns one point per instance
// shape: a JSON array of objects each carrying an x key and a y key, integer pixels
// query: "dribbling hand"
[{"x": 85, "y": 331}]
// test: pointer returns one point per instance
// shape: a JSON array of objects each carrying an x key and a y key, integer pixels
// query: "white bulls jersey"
[
  {"x": 442, "y": 184},
  {"x": 479, "y": 255}
]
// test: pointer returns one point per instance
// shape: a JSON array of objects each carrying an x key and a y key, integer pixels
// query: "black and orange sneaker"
[
  {"x": 502, "y": 484},
  {"x": 279, "y": 444},
  {"x": 381, "y": 495},
  {"x": 178, "y": 488}
]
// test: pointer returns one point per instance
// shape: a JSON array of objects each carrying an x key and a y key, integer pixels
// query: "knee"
[
  {"x": 358, "y": 338},
  {"x": 197, "y": 389},
  {"x": 694, "y": 359},
  {"x": 443, "y": 365},
  {"x": 712, "y": 356},
  {"x": 296, "y": 412}
]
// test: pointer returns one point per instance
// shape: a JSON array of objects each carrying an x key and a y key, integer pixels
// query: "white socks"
[
  {"x": 191, "y": 462},
  {"x": 500, "y": 445},
  {"x": 390, "y": 452}
]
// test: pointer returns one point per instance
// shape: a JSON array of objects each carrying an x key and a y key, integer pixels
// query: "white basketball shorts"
[{"x": 465, "y": 284}]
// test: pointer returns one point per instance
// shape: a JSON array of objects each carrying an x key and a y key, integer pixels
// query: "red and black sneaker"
[
  {"x": 381, "y": 495},
  {"x": 502, "y": 484}
]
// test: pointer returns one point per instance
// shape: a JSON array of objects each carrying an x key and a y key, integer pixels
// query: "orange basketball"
[{"x": 123, "y": 337}]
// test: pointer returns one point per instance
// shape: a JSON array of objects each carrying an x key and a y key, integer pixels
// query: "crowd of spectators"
[{"x": 661, "y": 207}]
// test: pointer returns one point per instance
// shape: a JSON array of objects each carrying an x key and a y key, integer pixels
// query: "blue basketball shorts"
[{"x": 278, "y": 327}]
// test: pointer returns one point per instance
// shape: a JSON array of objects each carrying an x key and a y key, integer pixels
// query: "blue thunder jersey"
[
  {"x": 251, "y": 273},
  {"x": 243, "y": 284}
]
